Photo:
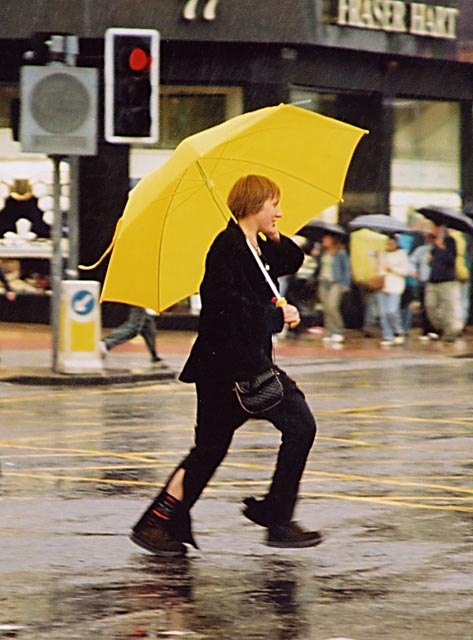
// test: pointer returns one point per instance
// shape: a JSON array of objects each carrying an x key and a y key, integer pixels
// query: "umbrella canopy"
[
  {"x": 378, "y": 222},
  {"x": 315, "y": 229},
  {"x": 448, "y": 217},
  {"x": 364, "y": 243},
  {"x": 175, "y": 212}
]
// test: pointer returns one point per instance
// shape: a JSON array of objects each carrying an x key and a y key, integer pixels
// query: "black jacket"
[
  {"x": 238, "y": 314},
  {"x": 442, "y": 265}
]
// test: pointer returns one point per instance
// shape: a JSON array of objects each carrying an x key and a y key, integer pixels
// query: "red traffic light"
[
  {"x": 139, "y": 60},
  {"x": 131, "y": 85}
]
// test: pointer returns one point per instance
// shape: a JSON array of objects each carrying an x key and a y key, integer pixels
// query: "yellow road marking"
[
  {"x": 89, "y": 452},
  {"x": 360, "y": 478},
  {"x": 404, "y": 418},
  {"x": 212, "y": 489},
  {"x": 393, "y": 481}
]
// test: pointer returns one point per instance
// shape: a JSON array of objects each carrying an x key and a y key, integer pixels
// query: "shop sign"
[{"x": 399, "y": 16}]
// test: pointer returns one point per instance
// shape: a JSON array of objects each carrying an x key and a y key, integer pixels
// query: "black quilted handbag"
[{"x": 261, "y": 393}]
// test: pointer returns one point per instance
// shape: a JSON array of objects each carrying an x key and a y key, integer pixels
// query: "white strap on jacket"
[{"x": 267, "y": 277}]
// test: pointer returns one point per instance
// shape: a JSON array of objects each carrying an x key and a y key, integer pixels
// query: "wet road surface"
[{"x": 389, "y": 483}]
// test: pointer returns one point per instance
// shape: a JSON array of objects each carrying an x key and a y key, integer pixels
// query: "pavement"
[{"x": 26, "y": 355}]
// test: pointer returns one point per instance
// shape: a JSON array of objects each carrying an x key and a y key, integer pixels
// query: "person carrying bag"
[{"x": 233, "y": 351}]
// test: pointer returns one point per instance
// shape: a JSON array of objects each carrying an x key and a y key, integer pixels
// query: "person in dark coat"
[
  {"x": 442, "y": 292},
  {"x": 237, "y": 321}
]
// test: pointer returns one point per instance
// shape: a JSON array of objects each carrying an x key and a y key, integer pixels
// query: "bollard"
[{"x": 79, "y": 327}]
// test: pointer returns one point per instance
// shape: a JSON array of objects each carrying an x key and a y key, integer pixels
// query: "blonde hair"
[{"x": 249, "y": 193}]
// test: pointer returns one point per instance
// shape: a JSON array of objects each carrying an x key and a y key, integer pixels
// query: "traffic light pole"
[
  {"x": 72, "y": 271},
  {"x": 56, "y": 260}
]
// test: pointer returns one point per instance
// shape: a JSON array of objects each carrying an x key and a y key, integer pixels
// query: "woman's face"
[
  {"x": 268, "y": 216},
  {"x": 327, "y": 241}
]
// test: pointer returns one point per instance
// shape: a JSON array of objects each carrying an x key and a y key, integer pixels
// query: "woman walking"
[{"x": 234, "y": 343}]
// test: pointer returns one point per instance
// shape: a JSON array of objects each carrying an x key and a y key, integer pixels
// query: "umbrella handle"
[
  {"x": 278, "y": 300},
  {"x": 282, "y": 302}
]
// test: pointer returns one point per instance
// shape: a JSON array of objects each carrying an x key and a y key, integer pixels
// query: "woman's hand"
[{"x": 291, "y": 314}]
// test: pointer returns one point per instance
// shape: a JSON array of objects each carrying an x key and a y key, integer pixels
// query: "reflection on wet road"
[{"x": 388, "y": 482}]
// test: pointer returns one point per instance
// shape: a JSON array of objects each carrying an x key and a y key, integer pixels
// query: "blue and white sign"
[{"x": 83, "y": 303}]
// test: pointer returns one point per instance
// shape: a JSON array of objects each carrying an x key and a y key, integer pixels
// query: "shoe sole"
[
  {"x": 293, "y": 545},
  {"x": 155, "y": 550}
]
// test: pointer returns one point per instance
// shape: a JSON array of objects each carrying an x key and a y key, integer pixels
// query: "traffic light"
[{"x": 131, "y": 85}]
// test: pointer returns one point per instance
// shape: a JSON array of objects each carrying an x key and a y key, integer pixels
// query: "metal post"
[
  {"x": 56, "y": 260},
  {"x": 72, "y": 271}
]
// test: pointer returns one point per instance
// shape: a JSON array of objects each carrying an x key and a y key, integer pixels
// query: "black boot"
[{"x": 153, "y": 530}]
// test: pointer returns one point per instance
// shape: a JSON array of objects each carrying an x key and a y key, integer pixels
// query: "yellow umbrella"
[
  {"x": 175, "y": 212},
  {"x": 364, "y": 243}
]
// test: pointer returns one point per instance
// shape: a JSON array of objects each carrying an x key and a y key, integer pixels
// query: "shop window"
[
  {"x": 426, "y": 155},
  {"x": 8, "y": 93},
  {"x": 184, "y": 110},
  {"x": 183, "y": 115},
  {"x": 26, "y": 207}
]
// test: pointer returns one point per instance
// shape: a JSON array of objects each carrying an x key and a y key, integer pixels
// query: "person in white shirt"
[{"x": 393, "y": 264}]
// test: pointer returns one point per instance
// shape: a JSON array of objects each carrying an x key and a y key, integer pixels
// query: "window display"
[{"x": 26, "y": 216}]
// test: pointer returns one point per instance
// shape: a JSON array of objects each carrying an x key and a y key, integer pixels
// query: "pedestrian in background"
[
  {"x": 334, "y": 280},
  {"x": 370, "y": 312},
  {"x": 419, "y": 269},
  {"x": 463, "y": 273},
  {"x": 234, "y": 343},
  {"x": 10, "y": 295},
  {"x": 139, "y": 322},
  {"x": 299, "y": 289},
  {"x": 406, "y": 241},
  {"x": 393, "y": 264},
  {"x": 442, "y": 296}
]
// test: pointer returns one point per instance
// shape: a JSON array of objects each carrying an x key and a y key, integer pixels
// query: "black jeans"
[{"x": 218, "y": 417}]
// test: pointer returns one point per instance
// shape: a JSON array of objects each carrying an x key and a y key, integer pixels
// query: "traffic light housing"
[{"x": 131, "y": 85}]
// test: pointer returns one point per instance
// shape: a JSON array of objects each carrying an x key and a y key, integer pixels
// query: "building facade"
[{"x": 401, "y": 69}]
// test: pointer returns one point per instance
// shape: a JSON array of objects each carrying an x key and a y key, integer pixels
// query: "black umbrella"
[
  {"x": 448, "y": 217},
  {"x": 315, "y": 229},
  {"x": 378, "y": 222},
  {"x": 468, "y": 210}
]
